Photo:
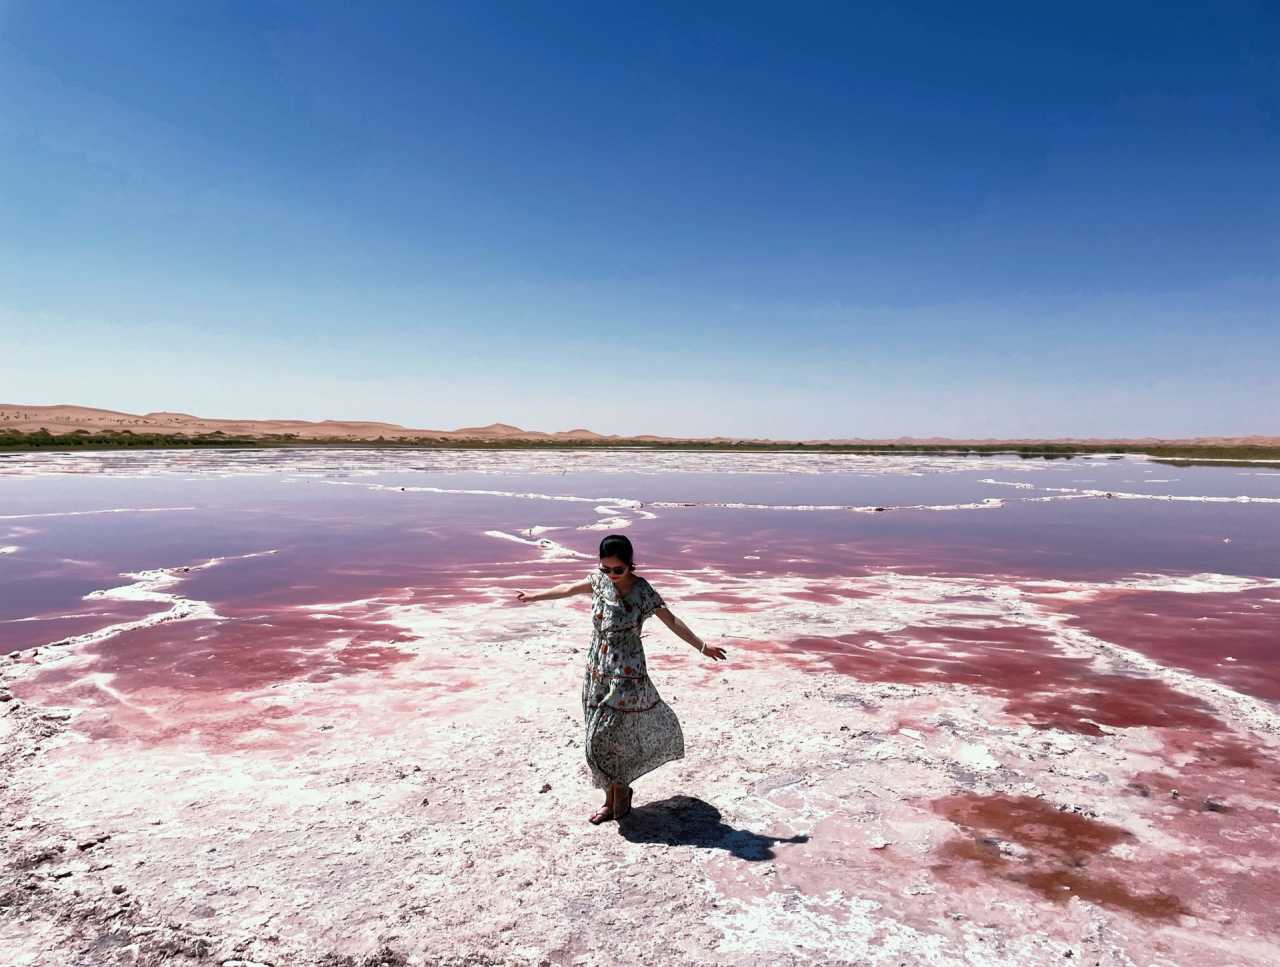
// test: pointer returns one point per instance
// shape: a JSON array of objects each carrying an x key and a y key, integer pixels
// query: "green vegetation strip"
[{"x": 42, "y": 439}]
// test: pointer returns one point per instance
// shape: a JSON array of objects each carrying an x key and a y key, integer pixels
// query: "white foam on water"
[
  {"x": 987, "y": 503},
  {"x": 1123, "y": 495},
  {"x": 153, "y": 586},
  {"x": 550, "y": 550},
  {"x": 89, "y": 513},
  {"x": 327, "y": 462}
]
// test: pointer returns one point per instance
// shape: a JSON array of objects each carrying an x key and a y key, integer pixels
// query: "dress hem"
[{"x": 602, "y": 780}]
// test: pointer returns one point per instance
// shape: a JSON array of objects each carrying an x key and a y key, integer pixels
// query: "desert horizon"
[{"x": 68, "y": 418}]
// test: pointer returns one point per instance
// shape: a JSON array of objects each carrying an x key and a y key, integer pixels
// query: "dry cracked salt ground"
[{"x": 403, "y": 829}]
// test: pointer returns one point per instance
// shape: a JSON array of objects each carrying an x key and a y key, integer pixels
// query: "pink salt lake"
[{"x": 977, "y": 709}]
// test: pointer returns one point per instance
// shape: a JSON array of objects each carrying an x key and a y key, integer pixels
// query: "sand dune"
[{"x": 68, "y": 419}]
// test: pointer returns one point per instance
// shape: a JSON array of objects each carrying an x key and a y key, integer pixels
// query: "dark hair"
[{"x": 616, "y": 545}]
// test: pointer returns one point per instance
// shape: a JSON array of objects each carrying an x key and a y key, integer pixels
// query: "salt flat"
[{"x": 282, "y": 707}]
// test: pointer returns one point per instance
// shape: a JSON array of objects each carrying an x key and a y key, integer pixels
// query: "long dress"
[{"x": 630, "y": 729}]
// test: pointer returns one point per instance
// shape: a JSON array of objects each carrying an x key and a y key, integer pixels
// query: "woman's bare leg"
[{"x": 621, "y": 801}]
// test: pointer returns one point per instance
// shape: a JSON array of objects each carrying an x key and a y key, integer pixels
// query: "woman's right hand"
[{"x": 522, "y": 597}]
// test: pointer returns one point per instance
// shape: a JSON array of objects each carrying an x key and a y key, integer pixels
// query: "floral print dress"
[{"x": 630, "y": 729}]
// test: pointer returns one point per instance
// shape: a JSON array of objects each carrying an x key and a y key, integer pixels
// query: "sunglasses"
[{"x": 620, "y": 569}]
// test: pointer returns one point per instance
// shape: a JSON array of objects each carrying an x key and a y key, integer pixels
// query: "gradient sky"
[{"x": 789, "y": 220}]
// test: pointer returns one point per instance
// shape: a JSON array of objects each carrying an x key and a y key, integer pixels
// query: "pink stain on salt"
[
  {"x": 188, "y": 680},
  {"x": 280, "y": 623},
  {"x": 237, "y": 655},
  {"x": 1213, "y": 796},
  {"x": 1022, "y": 665},
  {"x": 815, "y": 596},
  {"x": 1061, "y": 854},
  {"x": 730, "y": 600},
  {"x": 1233, "y": 638},
  {"x": 296, "y": 618}
]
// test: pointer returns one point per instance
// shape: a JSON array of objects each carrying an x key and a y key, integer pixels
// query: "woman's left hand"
[{"x": 714, "y": 652}]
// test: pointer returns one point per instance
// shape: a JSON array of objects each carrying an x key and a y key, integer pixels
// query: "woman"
[{"x": 630, "y": 729}]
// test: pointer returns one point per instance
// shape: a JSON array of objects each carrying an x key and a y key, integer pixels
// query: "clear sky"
[{"x": 790, "y": 220}]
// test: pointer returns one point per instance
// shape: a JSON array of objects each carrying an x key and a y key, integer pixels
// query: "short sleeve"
[{"x": 651, "y": 601}]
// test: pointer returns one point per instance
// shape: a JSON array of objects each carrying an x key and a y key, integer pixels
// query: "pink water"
[
  {"x": 155, "y": 591},
  {"x": 342, "y": 530}
]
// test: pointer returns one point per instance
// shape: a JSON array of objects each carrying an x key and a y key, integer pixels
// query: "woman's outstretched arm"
[
  {"x": 559, "y": 591},
  {"x": 685, "y": 633}
]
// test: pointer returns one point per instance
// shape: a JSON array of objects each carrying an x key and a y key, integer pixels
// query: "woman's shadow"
[{"x": 687, "y": 821}]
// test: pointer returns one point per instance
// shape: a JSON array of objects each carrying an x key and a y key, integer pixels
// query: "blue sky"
[{"x": 789, "y": 220}]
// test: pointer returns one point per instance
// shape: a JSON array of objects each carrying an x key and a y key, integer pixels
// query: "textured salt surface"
[{"x": 346, "y": 737}]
